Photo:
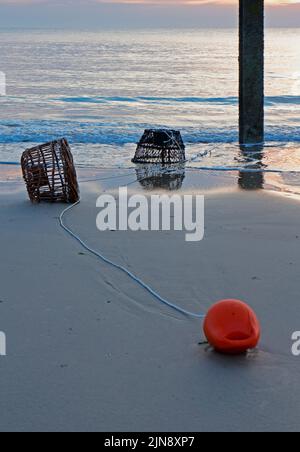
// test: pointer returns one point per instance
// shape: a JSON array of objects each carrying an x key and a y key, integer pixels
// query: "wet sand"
[{"x": 88, "y": 350}]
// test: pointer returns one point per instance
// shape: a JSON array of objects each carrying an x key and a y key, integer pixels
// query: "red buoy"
[{"x": 232, "y": 327}]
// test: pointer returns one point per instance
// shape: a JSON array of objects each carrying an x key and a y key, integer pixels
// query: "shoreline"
[{"x": 180, "y": 180}]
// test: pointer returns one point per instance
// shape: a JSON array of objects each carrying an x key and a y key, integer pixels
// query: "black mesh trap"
[{"x": 160, "y": 146}]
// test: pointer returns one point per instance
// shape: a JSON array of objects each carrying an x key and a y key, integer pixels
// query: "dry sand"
[{"x": 88, "y": 350}]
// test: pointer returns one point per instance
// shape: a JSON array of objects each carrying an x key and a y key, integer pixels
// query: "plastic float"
[{"x": 232, "y": 327}]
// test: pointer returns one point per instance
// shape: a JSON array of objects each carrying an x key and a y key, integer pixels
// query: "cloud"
[
  {"x": 136, "y": 13},
  {"x": 149, "y": 2},
  {"x": 138, "y": 2}
]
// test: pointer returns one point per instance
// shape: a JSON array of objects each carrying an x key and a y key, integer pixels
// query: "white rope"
[
  {"x": 123, "y": 269},
  {"x": 204, "y": 153},
  {"x": 99, "y": 179},
  {"x": 119, "y": 267},
  {"x": 241, "y": 169}
]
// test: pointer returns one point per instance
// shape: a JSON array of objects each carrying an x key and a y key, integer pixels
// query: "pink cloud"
[{"x": 178, "y": 2}]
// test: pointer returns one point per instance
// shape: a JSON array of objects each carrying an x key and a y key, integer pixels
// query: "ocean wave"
[
  {"x": 269, "y": 100},
  {"x": 121, "y": 134}
]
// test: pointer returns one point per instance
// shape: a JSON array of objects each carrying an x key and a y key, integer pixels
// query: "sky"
[{"x": 137, "y": 13}]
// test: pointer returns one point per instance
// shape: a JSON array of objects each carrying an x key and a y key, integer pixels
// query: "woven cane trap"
[
  {"x": 160, "y": 146},
  {"x": 50, "y": 174}
]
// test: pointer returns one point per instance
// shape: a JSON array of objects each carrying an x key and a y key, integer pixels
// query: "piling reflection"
[
  {"x": 163, "y": 177},
  {"x": 252, "y": 158}
]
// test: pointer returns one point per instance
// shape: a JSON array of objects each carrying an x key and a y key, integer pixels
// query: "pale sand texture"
[{"x": 89, "y": 350}]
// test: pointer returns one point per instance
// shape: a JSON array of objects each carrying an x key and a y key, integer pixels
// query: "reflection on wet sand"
[
  {"x": 252, "y": 158},
  {"x": 165, "y": 177},
  {"x": 255, "y": 176}
]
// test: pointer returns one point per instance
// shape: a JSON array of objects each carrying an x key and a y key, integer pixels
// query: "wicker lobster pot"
[
  {"x": 50, "y": 174},
  {"x": 160, "y": 146}
]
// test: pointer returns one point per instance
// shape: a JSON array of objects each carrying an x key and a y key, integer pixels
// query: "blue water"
[{"x": 100, "y": 90}]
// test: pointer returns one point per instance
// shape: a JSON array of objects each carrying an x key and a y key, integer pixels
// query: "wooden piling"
[{"x": 251, "y": 95}]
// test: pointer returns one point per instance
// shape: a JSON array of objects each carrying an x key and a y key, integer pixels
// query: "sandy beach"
[
  {"x": 123, "y": 312},
  {"x": 88, "y": 350}
]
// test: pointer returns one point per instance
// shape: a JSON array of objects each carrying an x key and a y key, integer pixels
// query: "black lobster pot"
[{"x": 160, "y": 146}]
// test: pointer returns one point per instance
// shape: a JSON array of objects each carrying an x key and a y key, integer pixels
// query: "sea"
[{"x": 101, "y": 89}]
